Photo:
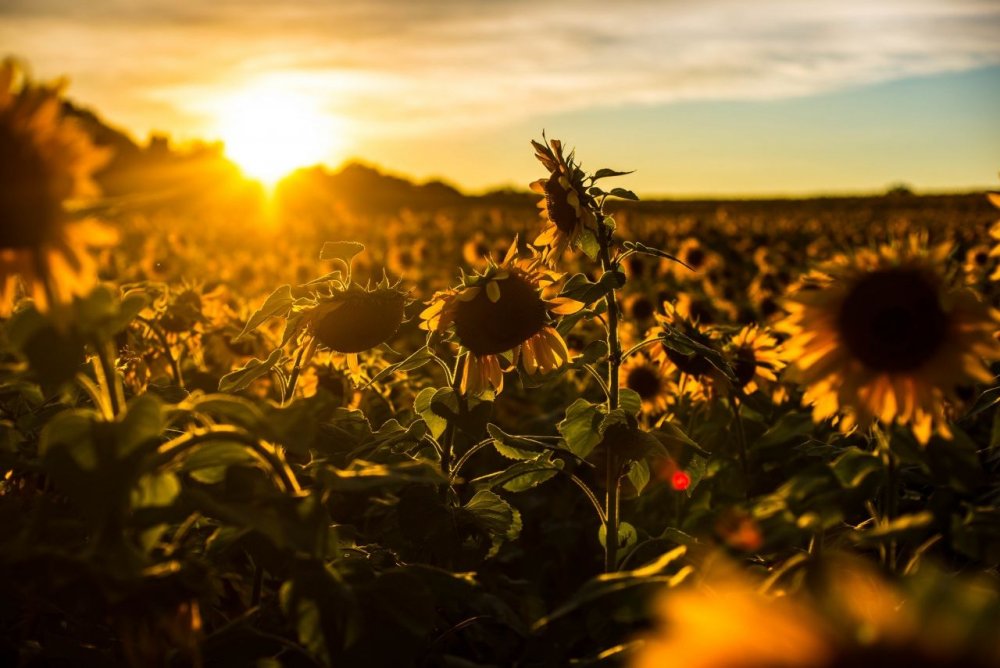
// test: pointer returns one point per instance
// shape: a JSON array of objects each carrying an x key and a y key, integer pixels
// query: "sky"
[{"x": 713, "y": 97}]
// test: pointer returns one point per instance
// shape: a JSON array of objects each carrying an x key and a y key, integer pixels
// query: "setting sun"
[{"x": 269, "y": 130}]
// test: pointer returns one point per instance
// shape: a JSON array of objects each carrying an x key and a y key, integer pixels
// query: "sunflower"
[
  {"x": 699, "y": 260},
  {"x": 500, "y": 317},
  {"x": 994, "y": 198},
  {"x": 46, "y": 164},
  {"x": 354, "y": 319},
  {"x": 755, "y": 358},
  {"x": 646, "y": 378},
  {"x": 567, "y": 207},
  {"x": 879, "y": 335}
]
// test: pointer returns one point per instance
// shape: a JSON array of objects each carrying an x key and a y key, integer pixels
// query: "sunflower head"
[
  {"x": 500, "y": 316},
  {"x": 755, "y": 358},
  {"x": 881, "y": 335},
  {"x": 646, "y": 378},
  {"x": 47, "y": 161},
  {"x": 354, "y": 319},
  {"x": 566, "y": 206}
]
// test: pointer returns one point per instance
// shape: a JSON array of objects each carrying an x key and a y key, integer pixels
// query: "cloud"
[{"x": 408, "y": 68}]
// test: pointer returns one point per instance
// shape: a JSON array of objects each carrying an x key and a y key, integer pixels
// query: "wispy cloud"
[{"x": 410, "y": 68}]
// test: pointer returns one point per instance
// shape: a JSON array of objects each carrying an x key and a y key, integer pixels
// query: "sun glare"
[{"x": 269, "y": 131}]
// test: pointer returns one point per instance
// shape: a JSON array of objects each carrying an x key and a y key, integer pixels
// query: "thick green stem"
[
  {"x": 109, "y": 378},
  {"x": 612, "y": 489},
  {"x": 296, "y": 372},
  {"x": 448, "y": 445}
]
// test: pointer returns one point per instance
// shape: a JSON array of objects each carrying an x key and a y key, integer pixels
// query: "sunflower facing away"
[
  {"x": 501, "y": 319},
  {"x": 565, "y": 206},
  {"x": 46, "y": 164},
  {"x": 879, "y": 335}
]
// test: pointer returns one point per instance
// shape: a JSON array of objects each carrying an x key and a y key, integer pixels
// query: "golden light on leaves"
[{"x": 270, "y": 129}]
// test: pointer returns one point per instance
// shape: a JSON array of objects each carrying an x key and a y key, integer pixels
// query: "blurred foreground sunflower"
[
  {"x": 501, "y": 319},
  {"x": 47, "y": 161},
  {"x": 880, "y": 335},
  {"x": 565, "y": 206},
  {"x": 851, "y": 616}
]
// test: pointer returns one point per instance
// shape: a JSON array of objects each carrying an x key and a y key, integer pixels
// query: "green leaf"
[
  {"x": 790, "y": 429},
  {"x": 915, "y": 524},
  {"x": 422, "y": 407},
  {"x": 655, "y": 252},
  {"x": 589, "y": 244},
  {"x": 344, "y": 251},
  {"x": 414, "y": 361},
  {"x": 251, "y": 371},
  {"x": 142, "y": 423},
  {"x": 513, "y": 447},
  {"x": 279, "y": 303},
  {"x": 855, "y": 467},
  {"x": 595, "y": 351},
  {"x": 53, "y": 353},
  {"x": 678, "y": 444},
  {"x": 638, "y": 474},
  {"x": 156, "y": 490},
  {"x": 628, "y": 536},
  {"x": 629, "y": 400},
  {"x": 361, "y": 475},
  {"x": 496, "y": 517},
  {"x": 208, "y": 463},
  {"x": 581, "y": 289},
  {"x": 523, "y": 475},
  {"x": 581, "y": 427},
  {"x": 605, "y": 173},
  {"x": 624, "y": 194},
  {"x": 321, "y": 608}
]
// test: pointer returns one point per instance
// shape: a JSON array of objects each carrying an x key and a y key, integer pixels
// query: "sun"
[{"x": 270, "y": 130}]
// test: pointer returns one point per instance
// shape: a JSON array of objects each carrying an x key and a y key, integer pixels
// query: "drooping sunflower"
[
  {"x": 567, "y": 207},
  {"x": 686, "y": 356},
  {"x": 880, "y": 335},
  {"x": 501, "y": 319},
  {"x": 353, "y": 319},
  {"x": 47, "y": 161},
  {"x": 646, "y": 378}
]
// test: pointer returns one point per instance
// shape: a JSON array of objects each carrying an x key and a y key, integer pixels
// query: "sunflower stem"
[
  {"x": 108, "y": 376},
  {"x": 741, "y": 440},
  {"x": 296, "y": 372},
  {"x": 612, "y": 490},
  {"x": 449, "y": 436},
  {"x": 158, "y": 333}
]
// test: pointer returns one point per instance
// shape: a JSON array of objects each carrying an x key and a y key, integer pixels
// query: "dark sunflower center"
[
  {"x": 641, "y": 309},
  {"x": 892, "y": 320},
  {"x": 644, "y": 381},
  {"x": 981, "y": 257},
  {"x": 489, "y": 328},
  {"x": 362, "y": 323},
  {"x": 560, "y": 211},
  {"x": 29, "y": 207},
  {"x": 695, "y": 257}
]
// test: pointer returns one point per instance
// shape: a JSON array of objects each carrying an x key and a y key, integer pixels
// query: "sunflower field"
[{"x": 565, "y": 428}]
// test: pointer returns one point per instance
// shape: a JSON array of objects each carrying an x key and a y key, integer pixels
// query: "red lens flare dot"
[{"x": 680, "y": 481}]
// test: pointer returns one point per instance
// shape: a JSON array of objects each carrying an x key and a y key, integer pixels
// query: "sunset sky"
[{"x": 712, "y": 97}]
